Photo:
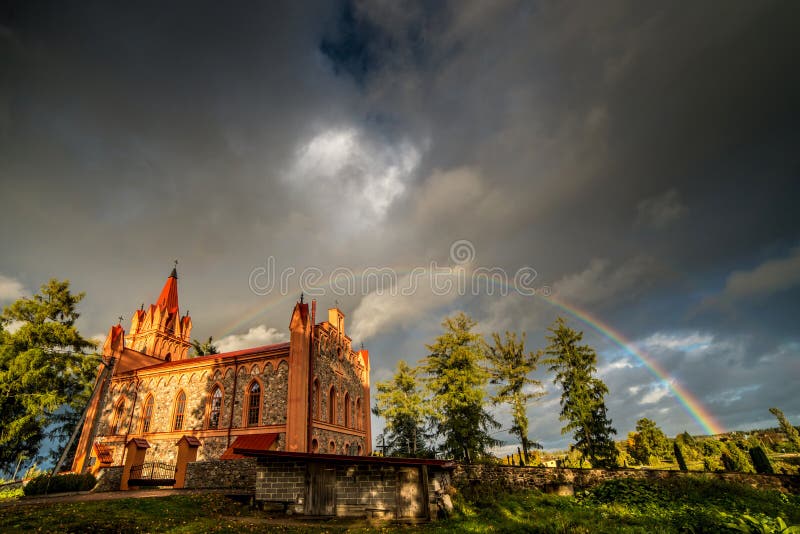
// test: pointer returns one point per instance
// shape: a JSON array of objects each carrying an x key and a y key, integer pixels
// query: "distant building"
[{"x": 309, "y": 395}]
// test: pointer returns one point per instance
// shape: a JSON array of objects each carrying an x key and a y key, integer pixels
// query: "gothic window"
[
  {"x": 147, "y": 414},
  {"x": 253, "y": 403},
  {"x": 360, "y": 450},
  {"x": 215, "y": 408},
  {"x": 119, "y": 410},
  {"x": 180, "y": 407},
  {"x": 347, "y": 421},
  {"x": 358, "y": 414},
  {"x": 332, "y": 447},
  {"x": 346, "y": 449},
  {"x": 332, "y": 405},
  {"x": 316, "y": 399},
  {"x": 314, "y": 445}
]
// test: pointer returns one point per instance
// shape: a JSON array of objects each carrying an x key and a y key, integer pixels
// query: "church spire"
[{"x": 169, "y": 294}]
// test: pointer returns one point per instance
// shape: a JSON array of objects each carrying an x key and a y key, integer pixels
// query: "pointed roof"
[{"x": 169, "y": 295}]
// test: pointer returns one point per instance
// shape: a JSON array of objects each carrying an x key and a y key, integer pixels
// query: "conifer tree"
[
  {"x": 582, "y": 400},
  {"x": 457, "y": 383},
  {"x": 401, "y": 403},
  {"x": 787, "y": 428},
  {"x": 45, "y": 371},
  {"x": 510, "y": 370}
]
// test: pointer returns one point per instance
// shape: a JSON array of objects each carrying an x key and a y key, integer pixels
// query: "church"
[{"x": 152, "y": 399}]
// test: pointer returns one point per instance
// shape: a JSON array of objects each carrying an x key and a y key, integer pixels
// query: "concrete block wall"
[{"x": 280, "y": 480}]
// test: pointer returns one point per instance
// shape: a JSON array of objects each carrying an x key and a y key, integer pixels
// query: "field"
[{"x": 681, "y": 505}]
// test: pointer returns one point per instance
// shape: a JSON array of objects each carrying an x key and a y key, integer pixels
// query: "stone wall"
[
  {"x": 108, "y": 479},
  {"x": 515, "y": 478},
  {"x": 222, "y": 474}
]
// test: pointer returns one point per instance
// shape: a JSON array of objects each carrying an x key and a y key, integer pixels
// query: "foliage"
[
  {"x": 12, "y": 492},
  {"x": 758, "y": 525},
  {"x": 647, "y": 441},
  {"x": 401, "y": 403},
  {"x": 679, "y": 457},
  {"x": 760, "y": 459},
  {"x": 791, "y": 432},
  {"x": 735, "y": 459},
  {"x": 695, "y": 504},
  {"x": 582, "y": 400},
  {"x": 510, "y": 370},
  {"x": 204, "y": 349},
  {"x": 45, "y": 373},
  {"x": 45, "y": 484},
  {"x": 457, "y": 383}
]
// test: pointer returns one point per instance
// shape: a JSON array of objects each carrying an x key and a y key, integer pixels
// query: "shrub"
[
  {"x": 679, "y": 455},
  {"x": 761, "y": 460},
  {"x": 60, "y": 483}
]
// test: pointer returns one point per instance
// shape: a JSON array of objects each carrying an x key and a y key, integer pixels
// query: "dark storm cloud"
[{"x": 640, "y": 156}]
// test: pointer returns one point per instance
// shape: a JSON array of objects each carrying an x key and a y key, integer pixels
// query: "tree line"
[{"x": 441, "y": 406}]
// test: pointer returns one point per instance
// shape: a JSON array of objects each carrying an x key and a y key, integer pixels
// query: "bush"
[
  {"x": 60, "y": 483},
  {"x": 761, "y": 460}
]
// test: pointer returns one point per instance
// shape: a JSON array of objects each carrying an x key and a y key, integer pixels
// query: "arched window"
[
  {"x": 360, "y": 450},
  {"x": 215, "y": 407},
  {"x": 315, "y": 398},
  {"x": 254, "y": 403},
  {"x": 332, "y": 447},
  {"x": 119, "y": 410},
  {"x": 168, "y": 357},
  {"x": 346, "y": 450},
  {"x": 332, "y": 405},
  {"x": 347, "y": 421},
  {"x": 358, "y": 414},
  {"x": 147, "y": 414},
  {"x": 314, "y": 445},
  {"x": 180, "y": 407}
]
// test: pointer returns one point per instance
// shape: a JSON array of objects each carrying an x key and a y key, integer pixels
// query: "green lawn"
[{"x": 680, "y": 505}]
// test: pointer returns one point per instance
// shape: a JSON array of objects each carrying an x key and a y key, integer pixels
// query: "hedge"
[{"x": 59, "y": 483}]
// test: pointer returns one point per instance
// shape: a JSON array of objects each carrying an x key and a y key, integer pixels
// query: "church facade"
[{"x": 308, "y": 395}]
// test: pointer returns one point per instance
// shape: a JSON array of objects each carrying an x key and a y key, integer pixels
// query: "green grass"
[{"x": 691, "y": 504}]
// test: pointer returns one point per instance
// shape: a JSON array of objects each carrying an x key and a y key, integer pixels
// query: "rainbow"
[{"x": 687, "y": 400}]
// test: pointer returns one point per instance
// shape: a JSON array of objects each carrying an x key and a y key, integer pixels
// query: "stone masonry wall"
[
  {"x": 516, "y": 478},
  {"x": 222, "y": 474},
  {"x": 108, "y": 479}
]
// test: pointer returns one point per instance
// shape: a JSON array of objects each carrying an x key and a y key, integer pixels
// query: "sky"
[{"x": 630, "y": 166}]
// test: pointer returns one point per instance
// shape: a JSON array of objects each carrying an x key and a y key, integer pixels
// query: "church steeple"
[{"x": 159, "y": 330}]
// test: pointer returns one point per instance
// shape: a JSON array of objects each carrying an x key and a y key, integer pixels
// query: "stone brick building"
[{"x": 154, "y": 403}]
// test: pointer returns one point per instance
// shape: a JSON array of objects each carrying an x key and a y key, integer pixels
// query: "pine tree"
[
  {"x": 45, "y": 372},
  {"x": 582, "y": 399},
  {"x": 791, "y": 432},
  {"x": 457, "y": 383},
  {"x": 510, "y": 370},
  {"x": 401, "y": 403}
]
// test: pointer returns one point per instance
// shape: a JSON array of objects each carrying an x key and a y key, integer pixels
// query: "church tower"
[{"x": 159, "y": 330}]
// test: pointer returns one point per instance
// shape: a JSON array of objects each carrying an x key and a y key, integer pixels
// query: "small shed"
[{"x": 335, "y": 485}]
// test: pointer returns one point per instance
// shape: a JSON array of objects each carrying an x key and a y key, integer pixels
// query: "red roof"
[
  {"x": 191, "y": 440},
  {"x": 169, "y": 295},
  {"x": 103, "y": 453},
  {"x": 140, "y": 443},
  {"x": 251, "y": 442},
  {"x": 222, "y": 356}
]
